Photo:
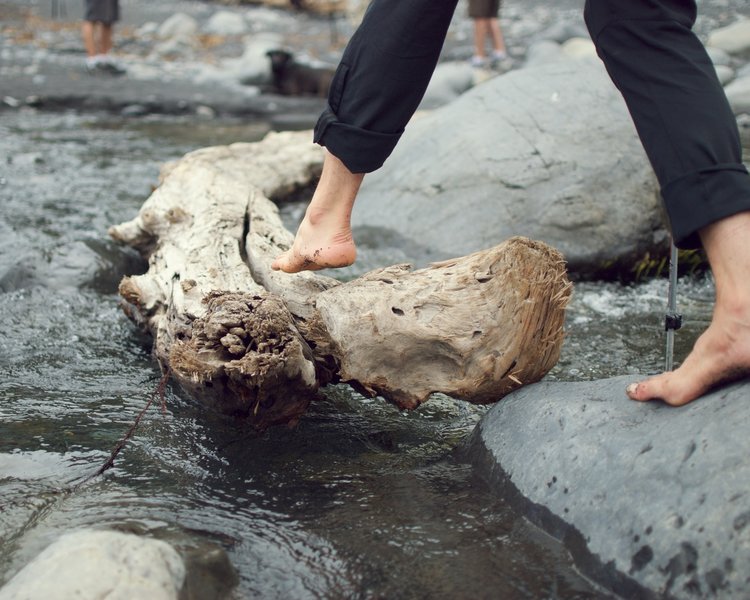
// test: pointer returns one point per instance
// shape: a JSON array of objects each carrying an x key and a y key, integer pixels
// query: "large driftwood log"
[{"x": 250, "y": 341}]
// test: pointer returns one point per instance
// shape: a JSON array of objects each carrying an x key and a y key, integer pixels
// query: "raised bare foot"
[
  {"x": 317, "y": 248},
  {"x": 722, "y": 353},
  {"x": 324, "y": 238}
]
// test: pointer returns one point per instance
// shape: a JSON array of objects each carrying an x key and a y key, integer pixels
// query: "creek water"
[{"x": 358, "y": 501}]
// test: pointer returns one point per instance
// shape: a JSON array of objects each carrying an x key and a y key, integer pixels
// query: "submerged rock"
[{"x": 651, "y": 501}]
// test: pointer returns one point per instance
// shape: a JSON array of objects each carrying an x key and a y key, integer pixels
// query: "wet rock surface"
[{"x": 652, "y": 501}]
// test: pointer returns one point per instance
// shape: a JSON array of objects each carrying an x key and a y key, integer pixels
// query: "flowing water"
[{"x": 359, "y": 501}]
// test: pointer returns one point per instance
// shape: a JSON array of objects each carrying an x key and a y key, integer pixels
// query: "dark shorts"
[
  {"x": 483, "y": 9},
  {"x": 102, "y": 11}
]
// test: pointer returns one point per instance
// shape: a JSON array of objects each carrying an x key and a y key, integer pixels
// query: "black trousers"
[{"x": 666, "y": 78}]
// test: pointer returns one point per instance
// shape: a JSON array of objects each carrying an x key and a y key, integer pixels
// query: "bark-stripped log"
[{"x": 249, "y": 341}]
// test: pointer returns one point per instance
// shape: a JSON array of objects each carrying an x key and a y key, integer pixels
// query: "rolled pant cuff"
[
  {"x": 360, "y": 150},
  {"x": 704, "y": 197}
]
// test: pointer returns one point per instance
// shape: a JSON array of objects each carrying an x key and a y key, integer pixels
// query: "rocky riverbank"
[
  {"x": 208, "y": 59},
  {"x": 581, "y": 458}
]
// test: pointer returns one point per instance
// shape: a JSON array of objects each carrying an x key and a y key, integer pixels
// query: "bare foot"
[
  {"x": 722, "y": 353},
  {"x": 324, "y": 238},
  {"x": 316, "y": 247}
]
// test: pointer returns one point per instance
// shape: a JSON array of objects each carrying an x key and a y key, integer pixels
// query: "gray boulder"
[
  {"x": 546, "y": 152},
  {"x": 651, "y": 501}
]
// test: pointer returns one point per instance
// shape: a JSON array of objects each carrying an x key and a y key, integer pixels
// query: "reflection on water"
[{"x": 359, "y": 501}]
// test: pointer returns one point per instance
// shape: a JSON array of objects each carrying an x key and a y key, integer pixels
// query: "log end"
[
  {"x": 474, "y": 328},
  {"x": 245, "y": 358}
]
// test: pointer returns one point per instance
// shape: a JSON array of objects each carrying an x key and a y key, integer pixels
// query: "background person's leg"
[
  {"x": 105, "y": 38},
  {"x": 481, "y": 32},
  {"x": 89, "y": 43},
  {"x": 498, "y": 43}
]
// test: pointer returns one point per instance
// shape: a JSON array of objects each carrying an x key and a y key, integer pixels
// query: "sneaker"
[
  {"x": 110, "y": 68},
  {"x": 477, "y": 61},
  {"x": 499, "y": 55},
  {"x": 92, "y": 66}
]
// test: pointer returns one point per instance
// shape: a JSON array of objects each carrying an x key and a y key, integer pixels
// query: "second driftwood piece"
[{"x": 253, "y": 342}]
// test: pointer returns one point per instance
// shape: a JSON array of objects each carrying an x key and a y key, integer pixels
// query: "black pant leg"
[
  {"x": 381, "y": 79},
  {"x": 678, "y": 106}
]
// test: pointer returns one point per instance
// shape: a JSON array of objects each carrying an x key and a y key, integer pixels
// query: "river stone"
[
  {"x": 178, "y": 25},
  {"x": 543, "y": 52},
  {"x": 734, "y": 38},
  {"x": 719, "y": 56},
  {"x": 724, "y": 73},
  {"x": 547, "y": 152},
  {"x": 254, "y": 66},
  {"x": 225, "y": 22},
  {"x": 738, "y": 94},
  {"x": 579, "y": 47},
  {"x": 448, "y": 82},
  {"x": 100, "y": 564},
  {"x": 651, "y": 500}
]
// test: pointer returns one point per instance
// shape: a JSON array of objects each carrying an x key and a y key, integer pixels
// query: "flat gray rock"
[{"x": 651, "y": 500}]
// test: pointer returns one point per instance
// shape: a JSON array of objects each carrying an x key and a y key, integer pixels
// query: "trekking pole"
[{"x": 673, "y": 320}]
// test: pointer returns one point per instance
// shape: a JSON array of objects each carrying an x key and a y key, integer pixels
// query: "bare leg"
[
  {"x": 324, "y": 238},
  {"x": 105, "y": 38},
  {"x": 498, "y": 43},
  {"x": 722, "y": 353},
  {"x": 87, "y": 32},
  {"x": 481, "y": 30}
]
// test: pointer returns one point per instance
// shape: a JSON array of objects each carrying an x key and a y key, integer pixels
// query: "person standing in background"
[
  {"x": 98, "y": 25},
  {"x": 486, "y": 25}
]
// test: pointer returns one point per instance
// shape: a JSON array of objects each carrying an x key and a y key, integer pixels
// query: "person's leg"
[
  {"x": 722, "y": 352},
  {"x": 89, "y": 43},
  {"x": 498, "y": 43},
  {"x": 324, "y": 238},
  {"x": 105, "y": 38},
  {"x": 481, "y": 32},
  {"x": 377, "y": 87},
  {"x": 690, "y": 136}
]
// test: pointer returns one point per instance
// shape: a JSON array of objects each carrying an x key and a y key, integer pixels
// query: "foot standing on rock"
[
  {"x": 677, "y": 104},
  {"x": 97, "y": 32}
]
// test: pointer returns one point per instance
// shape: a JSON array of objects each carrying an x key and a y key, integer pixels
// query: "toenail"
[{"x": 631, "y": 389}]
